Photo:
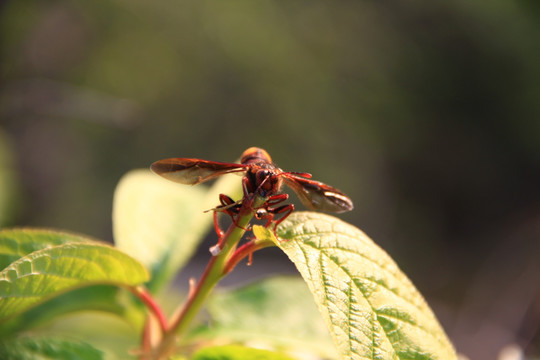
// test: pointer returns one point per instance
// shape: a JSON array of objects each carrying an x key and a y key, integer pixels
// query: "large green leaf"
[
  {"x": 278, "y": 312},
  {"x": 44, "y": 348},
  {"x": 371, "y": 308},
  {"x": 46, "y": 273},
  {"x": 160, "y": 223}
]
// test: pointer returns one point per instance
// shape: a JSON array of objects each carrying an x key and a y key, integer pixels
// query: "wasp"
[{"x": 261, "y": 177}]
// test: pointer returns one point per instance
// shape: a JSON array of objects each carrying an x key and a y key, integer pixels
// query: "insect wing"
[
  {"x": 316, "y": 195},
  {"x": 193, "y": 171}
]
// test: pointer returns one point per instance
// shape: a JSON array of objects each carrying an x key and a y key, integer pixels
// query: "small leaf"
[
  {"x": 235, "y": 352},
  {"x": 371, "y": 308},
  {"x": 160, "y": 222},
  {"x": 16, "y": 243},
  {"x": 30, "y": 348},
  {"x": 9, "y": 186},
  {"x": 279, "y": 311},
  {"x": 45, "y": 273}
]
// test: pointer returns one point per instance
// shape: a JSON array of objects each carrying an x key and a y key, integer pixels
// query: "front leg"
[
  {"x": 276, "y": 199},
  {"x": 268, "y": 213},
  {"x": 283, "y": 210},
  {"x": 229, "y": 207}
]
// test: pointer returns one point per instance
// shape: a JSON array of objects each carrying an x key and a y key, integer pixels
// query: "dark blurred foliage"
[{"x": 427, "y": 113}]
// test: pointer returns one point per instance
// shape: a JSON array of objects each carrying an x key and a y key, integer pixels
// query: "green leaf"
[
  {"x": 97, "y": 297},
  {"x": 161, "y": 223},
  {"x": 16, "y": 243},
  {"x": 278, "y": 311},
  {"x": 235, "y": 352},
  {"x": 371, "y": 308},
  {"x": 31, "y": 348},
  {"x": 49, "y": 272}
]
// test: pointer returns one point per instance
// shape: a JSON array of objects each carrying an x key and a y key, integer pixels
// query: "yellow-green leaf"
[
  {"x": 236, "y": 352},
  {"x": 9, "y": 182},
  {"x": 160, "y": 222}
]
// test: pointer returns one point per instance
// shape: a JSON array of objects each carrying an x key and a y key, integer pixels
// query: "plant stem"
[
  {"x": 245, "y": 250},
  {"x": 215, "y": 271}
]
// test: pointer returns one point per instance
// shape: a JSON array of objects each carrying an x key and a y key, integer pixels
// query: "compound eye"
[{"x": 262, "y": 175}]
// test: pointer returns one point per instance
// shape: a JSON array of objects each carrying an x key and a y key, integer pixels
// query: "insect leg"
[
  {"x": 276, "y": 199},
  {"x": 283, "y": 210},
  {"x": 228, "y": 206}
]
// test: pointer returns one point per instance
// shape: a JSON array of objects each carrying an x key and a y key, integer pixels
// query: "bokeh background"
[{"x": 427, "y": 113}]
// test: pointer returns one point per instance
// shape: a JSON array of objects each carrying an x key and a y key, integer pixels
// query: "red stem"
[{"x": 152, "y": 305}]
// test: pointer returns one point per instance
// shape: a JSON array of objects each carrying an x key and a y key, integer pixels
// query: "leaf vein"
[
  {"x": 372, "y": 307},
  {"x": 385, "y": 270}
]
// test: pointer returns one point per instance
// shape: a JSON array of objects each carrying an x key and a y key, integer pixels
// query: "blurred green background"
[{"x": 427, "y": 113}]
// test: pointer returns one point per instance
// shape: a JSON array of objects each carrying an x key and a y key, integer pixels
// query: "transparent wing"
[
  {"x": 193, "y": 171},
  {"x": 316, "y": 195}
]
